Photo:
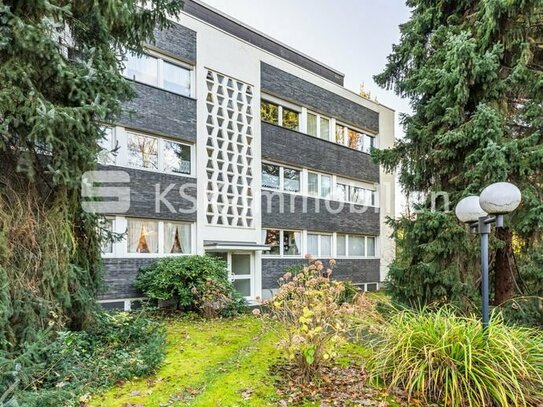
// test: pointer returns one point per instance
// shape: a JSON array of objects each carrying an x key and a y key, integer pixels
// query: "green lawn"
[
  {"x": 212, "y": 363},
  {"x": 208, "y": 363}
]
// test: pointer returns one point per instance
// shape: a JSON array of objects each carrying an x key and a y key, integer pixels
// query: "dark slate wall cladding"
[
  {"x": 157, "y": 110},
  {"x": 119, "y": 277},
  {"x": 143, "y": 195},
  {"x": 294, "y": 216},
  {"x": 355, "y": 270},
  {"x": 291, "y": 147},
  {"x": 206, "y": 14},
  {"x": 178, "y": 41},
  {"x": 285, "y": 85}
]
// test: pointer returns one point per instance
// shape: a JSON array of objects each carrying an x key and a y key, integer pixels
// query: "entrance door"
[{"x": 241, "y": 270}]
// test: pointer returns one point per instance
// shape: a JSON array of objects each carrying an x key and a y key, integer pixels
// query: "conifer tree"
[
  {"x": 473, "y": 72},
  {"x": 60, "y": 63}
]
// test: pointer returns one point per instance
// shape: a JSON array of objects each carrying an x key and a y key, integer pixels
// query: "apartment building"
[{"x": 242, "y": 147}]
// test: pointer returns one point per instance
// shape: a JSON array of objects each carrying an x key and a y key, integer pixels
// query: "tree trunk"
[{"x": 505, "y": 271}]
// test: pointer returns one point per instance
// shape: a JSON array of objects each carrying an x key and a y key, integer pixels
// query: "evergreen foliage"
[
  {"x": 473, "y": 71},
  {"x": 60, "y": 63}
]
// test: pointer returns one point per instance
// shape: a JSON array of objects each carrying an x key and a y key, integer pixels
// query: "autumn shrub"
[
  {"x": 440, "y": 357},
  {"x": 307, "y": 305},
  {"x": 194, "y": 283}
]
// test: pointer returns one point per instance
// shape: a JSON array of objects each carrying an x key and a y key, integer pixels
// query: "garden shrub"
[
  {"x": 195, "y": 283},
  {"x": 66, "y": 370},
  {"x": 443, "y": 358},
  {"x": 307, "y": 304}
]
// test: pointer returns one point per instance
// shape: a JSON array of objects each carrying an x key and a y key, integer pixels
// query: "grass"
[{"x": 208, "y": 363}]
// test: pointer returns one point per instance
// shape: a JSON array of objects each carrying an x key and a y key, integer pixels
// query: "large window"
[
  {"x": 158, "y": 154},
  {"x": 281, "y": 178},
  {"x": 355, "y": 246},
  {"x": 280, "y": 115},
  {"x": 283, "y": 242},
  {"x": 158, "y": 72},
  {"x": 143, "y": 237}
]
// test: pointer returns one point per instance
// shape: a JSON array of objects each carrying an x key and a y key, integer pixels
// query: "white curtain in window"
[
  {"x": 150, "y": 229},
  {"x": 326, "y": 246},
  {"x": 298, "y": 241},
  {"x": 182, "y": 231},
  {"x": 185, "y": 238},
  {"x": 134, "y": 232},
  {"x": 313, "y": 244}
]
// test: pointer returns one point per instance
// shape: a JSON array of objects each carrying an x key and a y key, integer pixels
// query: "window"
[
  {"x": 292, "y": 243},
  {"x": 142, "y": 151},
  {"x": 280, "y": 115},
  {"x": 326, "y": 246},
  {"x": 108, "y": 146},
  {"x": 370, "y": 246},
  {"x": 176, "y": 79},
  {"x": 313, "y": 184},
  {"x": 281, "y": 178},
  {"x": 326, "y": 186},
  {"x": 177, "y": 158},
  {"x": 325, "y": 128},
  {"x": 107, "y": 245},
  {"x": 269, "y": 112},
  {"x": 312, "y": 125},
  {"x": 354, "y": 139},
  {"x": 347, "y": 192},
  {"x": 158, "y": 72},
  {"x": 313, "y": 244},
  {"x": 177, "y": 238},
  {"x": 143, "y": 68},
  {"x": 291, "y": 119},
  {"x": 319, "y": 245},
  {"x": 318, "y": 126},
  {"x": 340, "y": 134},
  {"x": 142, "y": 236},
  {"x": 272, "y": 238},
  {"x": 342, "y": 192},
  {"x": 282, "y": 242},
  {"x": 341, "y": 241},
  {"x": 357, "y": 246},
  {"x": 158, "y": 154},
  {"x": 291, "y": 180},
  {"x": 271, "y": 176}
]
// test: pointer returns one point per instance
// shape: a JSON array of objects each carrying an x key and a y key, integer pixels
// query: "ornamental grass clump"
[
  {"x": 307, "y": 304},
  {"x": 439, "y": 357}
]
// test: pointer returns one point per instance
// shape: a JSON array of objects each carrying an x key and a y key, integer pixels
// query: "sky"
[{"x": 352, "y": 36}]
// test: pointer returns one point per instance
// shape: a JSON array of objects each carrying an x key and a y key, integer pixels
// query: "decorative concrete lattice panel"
[{"x": 229, "y": 147}]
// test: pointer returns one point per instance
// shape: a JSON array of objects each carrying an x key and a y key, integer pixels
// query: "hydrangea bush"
[{"x": 307, "y": 304}]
